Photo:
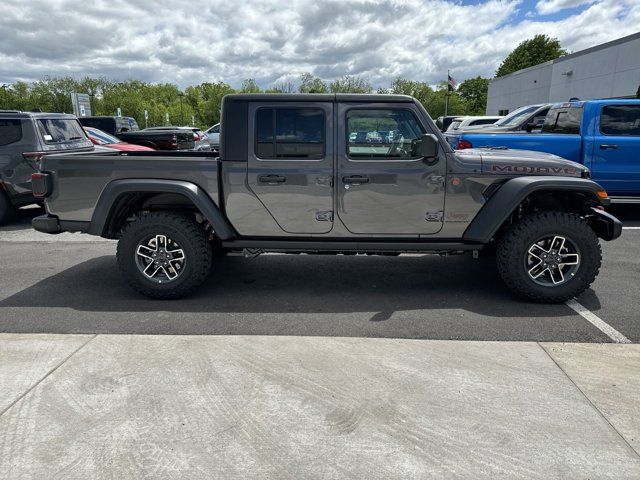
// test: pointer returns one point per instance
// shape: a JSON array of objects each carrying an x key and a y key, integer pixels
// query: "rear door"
[
  {"x": 615, "y": 160},
  {"x": 290, "y": 165},
  {"x": 382, "y": 187}
]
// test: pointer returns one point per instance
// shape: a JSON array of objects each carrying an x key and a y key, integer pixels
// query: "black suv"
[{"x": 24, "y": 138}]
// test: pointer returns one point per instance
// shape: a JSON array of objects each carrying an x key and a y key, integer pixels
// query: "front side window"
[
  {"x": 563, "y": 120},
  {"x": 382, "y": 134},
  {"x": 58, "y": 130},
  {"x": 621, "y": 120},
  {"x": 290, "y": 133}
]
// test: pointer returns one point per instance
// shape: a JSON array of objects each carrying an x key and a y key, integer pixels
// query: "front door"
[
  {"x": 382, "y": 186},
  {"x": 290, "y": 167},
  {"x": 616, "y": 150}
]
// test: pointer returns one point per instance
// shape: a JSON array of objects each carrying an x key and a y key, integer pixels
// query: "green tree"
[
  {"x": 350, "y": 84},
  {"x": 534, "y": 51},
  {"x": 474, "y": 92},
  {"x": 250, "y": 86},
  {"x": 311, "y": 84}
]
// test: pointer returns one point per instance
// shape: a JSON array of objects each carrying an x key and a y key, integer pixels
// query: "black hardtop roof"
[
  {"x": 319, "y": 97},
  {"x": 19, "y": 114}
]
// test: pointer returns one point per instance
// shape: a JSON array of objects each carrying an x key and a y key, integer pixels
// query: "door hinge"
[
  {"x": 433, "y": 216},
  {"x": 326, "y": 216},
  {"x": 324, "y": 181}
]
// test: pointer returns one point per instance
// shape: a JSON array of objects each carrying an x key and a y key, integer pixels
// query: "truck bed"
[{"x": 79, "y": 178}]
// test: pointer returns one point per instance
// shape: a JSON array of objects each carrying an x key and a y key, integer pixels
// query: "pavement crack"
[
  {"x": 604, "y": 417},
  {"x": 62, "y": 362}
]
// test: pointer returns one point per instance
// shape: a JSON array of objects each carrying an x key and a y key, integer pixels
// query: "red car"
[{"x": 98, "y": 137}]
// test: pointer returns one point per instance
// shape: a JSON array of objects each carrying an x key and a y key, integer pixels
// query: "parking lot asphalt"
[{"x": 70, "y": 284}]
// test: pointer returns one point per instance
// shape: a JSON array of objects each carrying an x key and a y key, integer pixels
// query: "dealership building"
[{"x": 610, "y": 70}]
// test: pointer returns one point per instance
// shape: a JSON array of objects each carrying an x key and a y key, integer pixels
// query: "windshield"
[
  {"x": 516, "y": 116},
  {"x": 58, "y": 130},
  {"x": 101, "y": 137}
]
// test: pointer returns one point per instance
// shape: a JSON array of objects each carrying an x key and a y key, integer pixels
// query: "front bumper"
[{"x": 605, "y": 225}]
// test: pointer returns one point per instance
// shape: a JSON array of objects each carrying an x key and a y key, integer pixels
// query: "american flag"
[{"x": 451, "y": 83}]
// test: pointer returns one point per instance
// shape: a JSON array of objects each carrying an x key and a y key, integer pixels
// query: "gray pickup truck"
[{"x": 367, "y": 174}]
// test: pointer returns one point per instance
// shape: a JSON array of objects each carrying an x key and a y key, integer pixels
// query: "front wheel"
[
  {"x": 549, "y": 257},
  {"x": 164, "y": 255}
]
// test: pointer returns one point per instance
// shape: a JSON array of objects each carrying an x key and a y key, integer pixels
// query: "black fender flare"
[
  {"x": 511, "y": 194},
  {"x": 113, "y": 190}
]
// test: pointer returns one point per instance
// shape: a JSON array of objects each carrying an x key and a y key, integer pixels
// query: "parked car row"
[
  {"x": 603, "y": 135},
  {"x": 25, "y": 137}
]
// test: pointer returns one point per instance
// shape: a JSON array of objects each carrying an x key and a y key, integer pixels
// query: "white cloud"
[
  {"x": 545, "y": 7},
  {"x": 187, "y": 43}
]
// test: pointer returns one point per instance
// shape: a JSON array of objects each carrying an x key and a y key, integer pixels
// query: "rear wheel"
[
  {"x": 7, "y": 210},
  {"x": 164, "y": 255},
  {"x": 549, "y": 257}
]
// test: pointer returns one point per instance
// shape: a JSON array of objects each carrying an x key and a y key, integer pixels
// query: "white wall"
[{"x": 605, "y": 71}]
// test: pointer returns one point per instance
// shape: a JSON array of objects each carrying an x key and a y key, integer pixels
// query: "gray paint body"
[{"x": 404, "y": 199}]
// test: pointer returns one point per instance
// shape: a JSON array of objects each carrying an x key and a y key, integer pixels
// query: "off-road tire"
[
  {"x": 513, "y": 248},
  {"x": 186, "y": 232},
  {"x": 7, "y": 210}
]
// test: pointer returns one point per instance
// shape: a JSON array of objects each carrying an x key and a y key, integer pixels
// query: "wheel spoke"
[
  {"x": 556, "y": 275},
  {"x": 557, "y": 243},
  {"x": 171, "y": 273},
  {"x": 569, "y": 259},
  {"x": 177, "y": 254},
  {"x": 145, "y": 252},
  {"x": 537, "y": 270},
  {"x": 537, "y": 251},
  {"x": 161, "y": 241},
  {"x": 151, "y": 268}
]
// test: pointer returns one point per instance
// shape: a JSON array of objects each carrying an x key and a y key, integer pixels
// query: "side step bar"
[{"x": 350, "y": 246}]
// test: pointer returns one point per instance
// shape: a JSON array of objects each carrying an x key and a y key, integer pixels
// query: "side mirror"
[
  {"x": 530, "y": 126},
  {"x": 426, "y": 146}
]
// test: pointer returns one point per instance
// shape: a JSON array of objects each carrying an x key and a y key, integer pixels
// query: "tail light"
[
  {"x": 462, "y": 144},
  {"x": 196, "y": 137},
  {"x": 41, "y": 184}
]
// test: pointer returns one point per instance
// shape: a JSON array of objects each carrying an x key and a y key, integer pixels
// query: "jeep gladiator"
[
  {"x": 604, "y": 135},
  {"x": 329, "y": 173}
]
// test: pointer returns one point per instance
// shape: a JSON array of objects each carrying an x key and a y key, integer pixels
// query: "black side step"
[{"x": 351, "y": 246}]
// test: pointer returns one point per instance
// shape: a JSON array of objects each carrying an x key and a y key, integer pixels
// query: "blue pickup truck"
[{"x": 603, "y": 135}]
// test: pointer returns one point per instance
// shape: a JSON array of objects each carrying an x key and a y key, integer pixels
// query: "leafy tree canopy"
[
  {"x": 534, "y": 51},
  {"x": 474, "y": 92}
]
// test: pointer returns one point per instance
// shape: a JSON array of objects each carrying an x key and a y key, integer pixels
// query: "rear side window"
[
  {"x": 382, "y": 134},
  {"x": 290, "y": 133},
  {"x": 483, "y": 121},
  {"x": 622, "y": 120},
  {"x": 58, "y": 130},
  {"x": 10, "y": 131},
  {"x": 563, "y": 120}
]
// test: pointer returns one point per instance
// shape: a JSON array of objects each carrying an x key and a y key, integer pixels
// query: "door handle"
[
  {"x": 355, "y": 180},
  {"x": 272, "y": 179},
  {"x": 608, "y": 147}
]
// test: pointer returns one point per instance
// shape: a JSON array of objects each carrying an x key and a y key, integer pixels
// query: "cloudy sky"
[{"x": 188, "y": 42}]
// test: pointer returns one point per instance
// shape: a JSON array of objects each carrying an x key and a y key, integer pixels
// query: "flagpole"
[{"x": 446, "y": 97}]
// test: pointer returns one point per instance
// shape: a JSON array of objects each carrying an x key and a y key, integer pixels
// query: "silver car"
[{"x": 214, "y": 136}]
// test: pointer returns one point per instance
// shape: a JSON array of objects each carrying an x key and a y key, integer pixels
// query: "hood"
[{"x": 526, "y": 162}]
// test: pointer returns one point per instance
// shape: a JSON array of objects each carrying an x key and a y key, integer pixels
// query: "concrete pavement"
[{"x": 127, "y": 406}]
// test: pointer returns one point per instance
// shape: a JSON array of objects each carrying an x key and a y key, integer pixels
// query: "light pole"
[{"x": 180, "y": 94}]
